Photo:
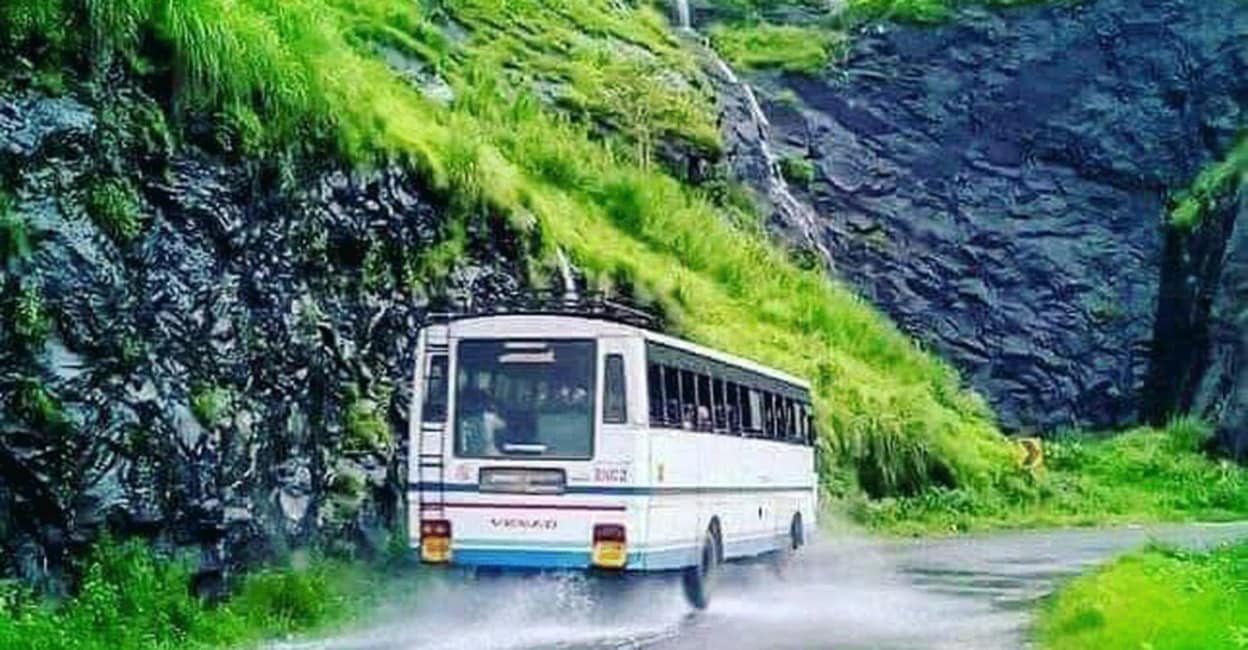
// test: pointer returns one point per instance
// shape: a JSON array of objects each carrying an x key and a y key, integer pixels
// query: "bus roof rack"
[{"x": 558, "y": 303}]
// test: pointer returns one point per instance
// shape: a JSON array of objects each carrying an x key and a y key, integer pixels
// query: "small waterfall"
[
  {"x": 778, "y": 191},
  {"x": 570, "y": 294},
  {"x": 682, "y": 15}
]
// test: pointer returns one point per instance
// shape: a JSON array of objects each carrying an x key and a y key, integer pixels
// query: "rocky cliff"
[
  {"x": 205, "y": 350},
  {"x": 999, "y": 185}
]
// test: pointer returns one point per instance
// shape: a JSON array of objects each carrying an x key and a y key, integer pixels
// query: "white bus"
[{"x": 557, "y": 441}]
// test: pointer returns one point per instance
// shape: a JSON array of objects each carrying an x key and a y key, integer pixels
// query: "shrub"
[
  {"x": 38, "y": 406},
  {"x": 29, "y": 316},
  {"x": 798, "y": 171},
  {"x": 14, "y": 235},
  {"x": 114, "y": 206},
  {"x": 366, "y": 426},
  {"x": 211, "y": 405}
]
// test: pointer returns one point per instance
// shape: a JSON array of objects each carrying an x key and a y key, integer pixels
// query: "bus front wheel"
[{"x": 699, "y": 580}]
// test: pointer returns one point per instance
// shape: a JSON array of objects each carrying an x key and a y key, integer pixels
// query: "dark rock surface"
[
  {"x": 1221, "y": 394},
  {"x": 194, "y": 382},
  {"x": 998, "y": 185}
]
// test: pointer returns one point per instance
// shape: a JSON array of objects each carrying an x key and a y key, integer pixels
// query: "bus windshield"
[{"x": 525, "y": 398}]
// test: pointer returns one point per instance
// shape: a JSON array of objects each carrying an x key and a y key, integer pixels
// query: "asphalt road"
[{"x": 966, "y": 593}]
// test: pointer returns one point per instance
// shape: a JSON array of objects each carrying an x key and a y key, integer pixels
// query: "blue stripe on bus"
[
  {"x": 553, "y": 555},
  {"x": 554, "y": 558},
  {"x": 621, "y": 490},
  {"x": 522, "y": 558}
]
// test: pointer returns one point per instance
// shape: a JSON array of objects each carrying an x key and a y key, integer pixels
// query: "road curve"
[{"x": 968, "y": 592}]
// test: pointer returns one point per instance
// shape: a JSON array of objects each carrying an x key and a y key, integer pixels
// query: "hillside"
[
  {"x": 222, "y": 223},
  {"x": 192, "y": 183}
]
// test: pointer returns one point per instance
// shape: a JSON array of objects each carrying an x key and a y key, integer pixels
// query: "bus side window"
[
  {"x": 704, "y": 403},
  {"x": 654, "y": 388},
  {"x": 801, "y": 423},
  {"x": 614, "y": 393},
  {"x": 671, "y": 397},
  {"x": 753, "y": 407},
  {"x": 769, "y": 416},
  {"x": 812, "y": 431},
  {"x": 434, "y": 409},
  {"x": 720, "y": 407},
  {"x": 688, "y": 400},
  {"x": 733, "y": 407},
  {"x": 790, "y": 412},
  {"x": 782, "y": 420}
]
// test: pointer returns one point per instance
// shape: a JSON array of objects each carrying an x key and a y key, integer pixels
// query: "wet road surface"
[{"x": 968, "y": 592}]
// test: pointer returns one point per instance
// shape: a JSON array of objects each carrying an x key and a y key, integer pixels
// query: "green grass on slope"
[
  {"x": 1142, "y": 475},
  {"x": 926, "y": 11},
  {"x": 1158, "y": 599},
  {"x": 791, "y": 48},
  {"x": 321, "y": 68},
  {"x": 1212, "y": 184},
  {"x": 804, "y": 36},
  {"x": 131, "y": 599}
]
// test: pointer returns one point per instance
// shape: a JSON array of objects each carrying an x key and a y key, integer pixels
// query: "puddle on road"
[{"x": 839, "y": 594}]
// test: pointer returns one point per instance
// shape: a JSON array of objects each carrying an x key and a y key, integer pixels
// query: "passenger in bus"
[
  {"x": 704, "y": 418},
  {"x": 688, "y": 417},
  {"x": 573, "y": 397},
  {"x": 483, "y": 435},
  {"x": 673, "y": 411}
]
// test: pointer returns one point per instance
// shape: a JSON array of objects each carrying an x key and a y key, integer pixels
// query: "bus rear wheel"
[
  {"x": 699, "y": 580},
  {"x": 783, "y": 556}
]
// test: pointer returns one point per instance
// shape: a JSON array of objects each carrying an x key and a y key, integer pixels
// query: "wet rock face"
[
  {"x": 193, "y": 381},
  {"x": 998, "y": 185}
]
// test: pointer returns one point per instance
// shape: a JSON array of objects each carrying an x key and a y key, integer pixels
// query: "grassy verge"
[
  {"x": 364, "y": 75},
  {"x": 1159, "y": 599},
  {"x": 1140, "y": 476},
  {"x": 131, "y": 598}
]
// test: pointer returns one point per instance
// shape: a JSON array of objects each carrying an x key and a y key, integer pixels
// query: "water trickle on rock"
[
  {"x": 681, "y": 8},
  {"x": 792, "y": 214}
]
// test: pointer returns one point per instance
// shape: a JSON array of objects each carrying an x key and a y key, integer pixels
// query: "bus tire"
[
  {"x": 783, "y": 557},
  {"x": 699, "y": 579},
  {"x": 797, "y": 533}
]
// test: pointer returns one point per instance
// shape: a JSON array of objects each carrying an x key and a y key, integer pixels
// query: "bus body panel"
[{"x": 665, "y": 486}]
